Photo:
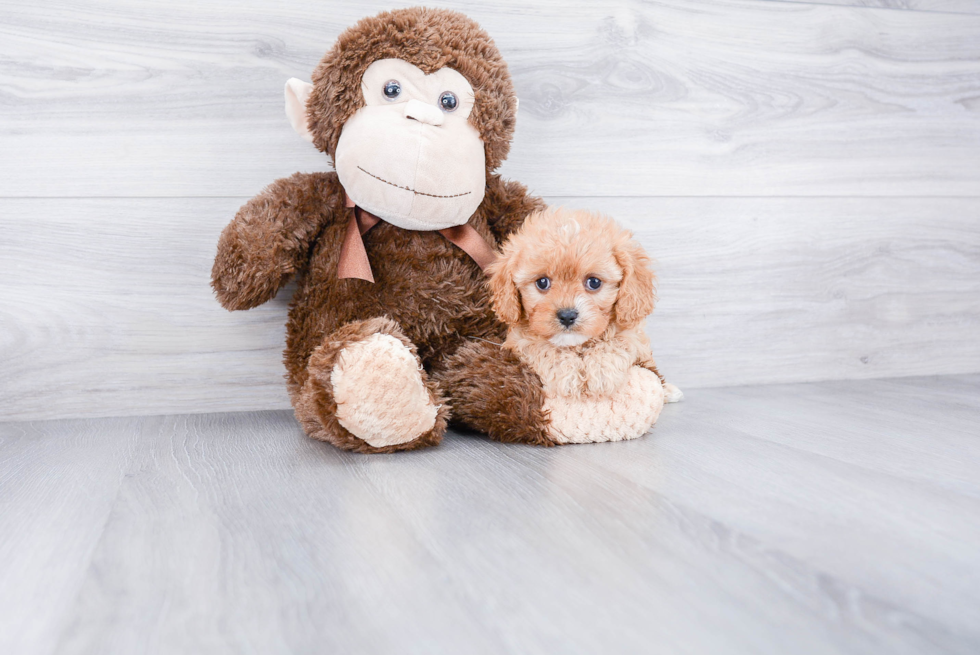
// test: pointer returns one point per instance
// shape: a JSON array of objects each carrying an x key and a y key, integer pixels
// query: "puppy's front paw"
[{"x": 605, "y": 370}]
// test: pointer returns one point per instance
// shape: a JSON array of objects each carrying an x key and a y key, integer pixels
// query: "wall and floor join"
[{"x": 807, "y": 177}]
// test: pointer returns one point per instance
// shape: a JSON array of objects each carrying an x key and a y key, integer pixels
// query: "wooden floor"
[{"x": 807, "y": 518}]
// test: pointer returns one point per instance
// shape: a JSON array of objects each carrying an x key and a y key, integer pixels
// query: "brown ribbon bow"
[{"x": 354, "y": 260}]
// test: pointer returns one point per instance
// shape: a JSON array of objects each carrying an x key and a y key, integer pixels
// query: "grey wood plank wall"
[
  {"x": 942, "y": 6},
  {"x": 806, "y": 175}
]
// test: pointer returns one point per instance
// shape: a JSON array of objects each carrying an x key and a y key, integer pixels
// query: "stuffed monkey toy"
[{"x": 390, "y": 332}]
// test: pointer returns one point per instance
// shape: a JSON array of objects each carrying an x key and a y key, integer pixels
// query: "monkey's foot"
[
  {"x": 626, "y": 414},
  {"x": 366, "y": 391},
  {"x": 380, "y": 395}
]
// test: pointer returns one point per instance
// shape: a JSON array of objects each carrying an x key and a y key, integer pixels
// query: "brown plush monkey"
[{"x": 390, "y": 332}]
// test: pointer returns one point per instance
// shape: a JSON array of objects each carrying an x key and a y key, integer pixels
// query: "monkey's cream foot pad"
[
  {"x": 626, "y": 414},
  {"x": 380, "y": 395}
]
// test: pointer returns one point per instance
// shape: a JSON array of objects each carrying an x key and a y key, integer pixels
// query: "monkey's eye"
[
  {"x": 542, "y": 283},
  {"x": 393, "y": 89},
  {"x": 448, "y": 101},
  {"x": 593, "y": 283}
]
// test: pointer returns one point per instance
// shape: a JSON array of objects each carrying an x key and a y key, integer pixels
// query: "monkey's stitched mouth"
[{"x": 405, "y": 188}]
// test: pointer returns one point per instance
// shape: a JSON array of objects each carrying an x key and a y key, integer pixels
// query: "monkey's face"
[{"x": 410, "y": 155}]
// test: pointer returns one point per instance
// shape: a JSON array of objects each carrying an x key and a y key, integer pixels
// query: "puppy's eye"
[
  {"x": 593, "y": 283},
  {"x": 542, "y": 283},
  {"x": 393, "y": 89}
]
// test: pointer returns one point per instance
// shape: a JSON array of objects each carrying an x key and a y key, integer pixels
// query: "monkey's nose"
[
  {"x": 567, "y": 316},
  {"x": 423, "y": 113}
]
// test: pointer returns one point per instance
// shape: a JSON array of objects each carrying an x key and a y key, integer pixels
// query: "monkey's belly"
[
  {"x": 627, "y": 414},
  {"x": 433, "y": 290}
]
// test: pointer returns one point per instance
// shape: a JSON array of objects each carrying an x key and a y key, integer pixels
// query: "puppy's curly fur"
[{"x": 567, "y": 251}]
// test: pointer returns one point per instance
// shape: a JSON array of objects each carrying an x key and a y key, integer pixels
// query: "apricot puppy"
[{"x": 575, "y": 290}]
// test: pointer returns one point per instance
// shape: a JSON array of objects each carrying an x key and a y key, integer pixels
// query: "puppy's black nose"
[{"x": 567, "y": 316}]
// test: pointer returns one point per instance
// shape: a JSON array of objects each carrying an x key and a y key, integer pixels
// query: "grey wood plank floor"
[{"x": 808, "y": 518}]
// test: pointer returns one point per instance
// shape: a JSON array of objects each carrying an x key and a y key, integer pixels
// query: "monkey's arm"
[
  {"x": 509, "y": 204},
  {"x": 270, "y": 237}
]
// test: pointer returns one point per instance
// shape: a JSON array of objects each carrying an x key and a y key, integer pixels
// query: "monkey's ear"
[
  {"x": 517, "y": 106},
  {"x": 297, "y": 93}
]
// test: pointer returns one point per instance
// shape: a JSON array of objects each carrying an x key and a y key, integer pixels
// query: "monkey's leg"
[
  {"x": 366, "y": 391},
  {"x": 492, "y": 391}
]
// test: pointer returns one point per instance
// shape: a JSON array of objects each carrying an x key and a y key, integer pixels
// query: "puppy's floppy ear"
[
  {"x": 636, "y": 290},
  {"x": 504, "y": 295}
]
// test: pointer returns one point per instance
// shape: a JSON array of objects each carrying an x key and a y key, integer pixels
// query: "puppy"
[{"x": 575, "y": 289}]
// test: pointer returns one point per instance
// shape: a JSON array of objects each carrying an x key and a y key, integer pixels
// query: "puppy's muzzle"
[{"x": 567, "y": 316}]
